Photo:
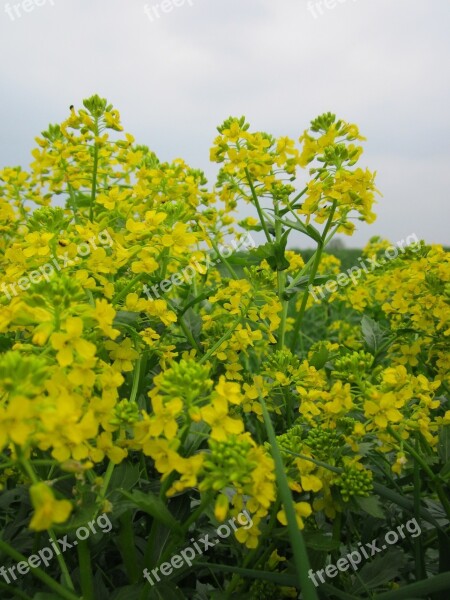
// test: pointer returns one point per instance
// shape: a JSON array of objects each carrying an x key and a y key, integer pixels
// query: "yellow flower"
[
  {"x": 164, "y": 419},
  {"x": 221, "y": 507},
  {"x": 383, "y": 408},
  {"x": 47, "y": 510},
  {"x": 302, "y": 509},
  {"x": 67, "y": 342},
  {"x": 179, "y": 239},
  {"x": 123, "y": 354},
  {"x": 37, "y": 243},
  {"x": 216, "y": 415},
  {"x": 104, "y": 314},
  {"x": 159, "y": 309}
]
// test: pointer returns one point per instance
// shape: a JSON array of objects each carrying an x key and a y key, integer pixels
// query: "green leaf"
[
  {"x": 304, "y": 282},
  {"x": 405, "y": 503},
  {"x": 320, "y": 542},
  {"x": 372, "y": 333},
  {"x": 319, "y": 358},
  {"x": 308, "y": 230},
  {"x": 129, "y": 592},
  {"x": 154, "y": 506},
  {"x": 125, "y": 476},
  {"x": 194, "y": 322},
  {"x": 370, "y": 505},
  {"x": 273, "y": 252},
  {"x": 379, "y": 571},
  {"x": 126, "y": 317}
]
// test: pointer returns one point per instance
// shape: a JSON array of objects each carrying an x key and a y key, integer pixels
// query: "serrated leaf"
[
  {"x": 372, "y": 333},
  {"x": 370, "y": 505},
  {"x": 380, "y": 570},
  {"x": 125, "y": 477}
]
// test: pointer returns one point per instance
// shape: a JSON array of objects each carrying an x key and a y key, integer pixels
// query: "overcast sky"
[{"x": 176, "y": 75}]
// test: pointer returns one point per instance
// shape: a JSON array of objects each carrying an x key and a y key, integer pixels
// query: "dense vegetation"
[{"x": 165, "y": 382}]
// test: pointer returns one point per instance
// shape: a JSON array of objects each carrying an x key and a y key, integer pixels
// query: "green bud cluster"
[
  {"x": 281, "y": 192},
  {"x": 187, "y": 379},
  {"x": 125, "y": 413},
  {"x": 346, "y": 425},
  {"x": 355, "y": 483},
  {"x": 49, "y": 219},
  {"x": 96, "y": 106},
  {"x": 281, "y": 360},
  {"x": 291, "y": 441},
  {"x": 263, "y": 590},
  {"x": 324, "y": 442},
  {"x": 227, "y": 465},
  {"x": 350, "y": 366},
  {"x": 260, "y": 278},
  {"x": 22, "y": 375}
]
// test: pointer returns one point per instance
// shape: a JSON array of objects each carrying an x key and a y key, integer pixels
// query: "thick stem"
[
  {"x": 312, "y": 276},
  {"x": 258, "y": 206},
  {"x": 94, "y": 175},
  {"x": 84, "y": 562}
]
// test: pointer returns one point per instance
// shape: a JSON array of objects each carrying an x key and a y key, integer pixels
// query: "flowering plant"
[{"x": 228, "y": 389}]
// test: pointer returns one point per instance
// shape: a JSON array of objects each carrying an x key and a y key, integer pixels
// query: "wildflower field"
[{"x": 218, "y": 425}]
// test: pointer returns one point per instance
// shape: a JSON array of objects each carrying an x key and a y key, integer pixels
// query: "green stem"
[
  {"x": 59, "y": 557},
  {"x": 301, "y": 559},
  {"x": 223, "y": 339},
  {"x": 84, "y": 562},
  {"x": 62, "y": 563},
  {"x": 39, "y": 573},
  {"x": 433, "y": 478},
  {"x": 315, "y": 266},
  {"x": 281, "y": 281},
  {"x": 127, "y": 288},
  {"x": 188, "y": 333},
  {"x": 107, "y": 479},
  {"x": 136, "y": 379},
  {"x": 258, "y": 206},
  {"x": 418, "y": 550},
  {"x": 94, "y": 176},
  {"x": 230, "y": 269}
]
